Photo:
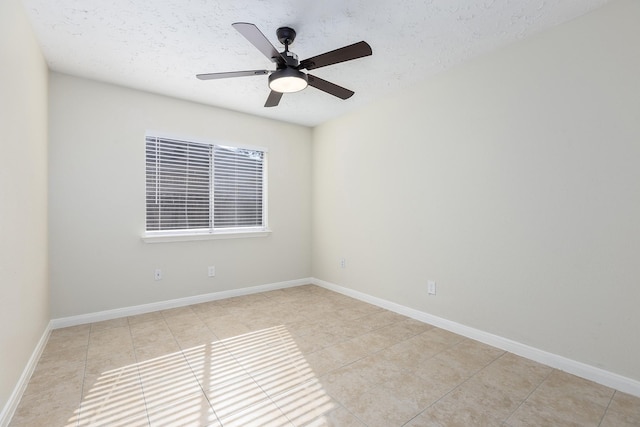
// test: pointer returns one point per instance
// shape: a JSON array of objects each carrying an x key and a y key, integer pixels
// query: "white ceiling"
[{"x": 159, "y": 45}]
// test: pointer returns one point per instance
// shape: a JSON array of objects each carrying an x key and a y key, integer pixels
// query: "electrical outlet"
[
  {"x": 431, "y": 287},
  {"x": 212, "y": 271},
  {"x": 343, "y": 263},
  {"x": 157, "y": 275}
]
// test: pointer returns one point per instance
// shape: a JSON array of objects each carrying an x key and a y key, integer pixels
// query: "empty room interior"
[{"x": 444, "y": 226}]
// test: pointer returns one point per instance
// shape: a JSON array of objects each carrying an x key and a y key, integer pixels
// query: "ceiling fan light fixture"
[{"x": 288, "y": 80}]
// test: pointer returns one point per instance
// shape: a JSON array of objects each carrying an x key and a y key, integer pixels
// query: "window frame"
[{"x": 177, "y": 235}]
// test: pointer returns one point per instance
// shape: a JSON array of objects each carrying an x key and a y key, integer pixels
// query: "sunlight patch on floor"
[{"x": 250, "y": 379}]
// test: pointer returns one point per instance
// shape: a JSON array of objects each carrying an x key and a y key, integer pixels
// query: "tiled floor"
[{"x": 298, "y": 356}]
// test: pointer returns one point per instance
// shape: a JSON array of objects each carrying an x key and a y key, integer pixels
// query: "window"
[{"x": 200, "y": 189}]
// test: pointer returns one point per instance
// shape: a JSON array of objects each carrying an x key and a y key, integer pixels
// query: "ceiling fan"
[{"x": 288, "y": 77}]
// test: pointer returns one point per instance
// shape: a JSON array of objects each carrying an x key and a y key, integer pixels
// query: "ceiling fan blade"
[
  {"x": 330, "y": 88},
  {"x": 212, "y": 76},
  {"x": 274, "y": 99},
  {"x": 255, "y": 36},
  {"x": 347, "y": 53}
]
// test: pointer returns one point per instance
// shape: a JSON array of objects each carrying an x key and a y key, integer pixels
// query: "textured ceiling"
[{"x": 159, "y": 46}]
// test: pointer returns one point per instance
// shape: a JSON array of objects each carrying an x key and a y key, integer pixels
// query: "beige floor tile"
[
  {"x": 57, "y": 418},
  {"x": 376, "y": 369},
  {"x": 184, "y": 322},
  {"x": 453, "y": 413},
  {"x": 402, "y": 330},
  {"x": 344, "y": 384},
  {"x": 269, "y": 361},
  {"x": 72, "y": 331},
  {"x": 150, "y": 333},
  {"x": 563, "y": 399},
  {"x": 414, "y": 391},
  {"x": 374, "y": 341},
  {"x": 62, "y": 339},
  {"x": 626, "y": 404},
  {"x": 110, "y": 360},
  {"x": 339, "y": 417},
  {"x": 480, "y": 398},
  {"x": 315, "y": 340},
  {"x": 514, "y": 375},
  {"x": 104, "y": 342},
  {"x": 227, "y": 327},
  {"x": 563, "y": 385},
  {"x": 356, "y": 310},
  {"x": 473, "y": 354},
  {"x": 212, "y": 365},
  {"x": 241, "y": 301},
  {"x": 114, "y": 399},
  {"x": 263, "y": 414},
  {"x": 381, "y": 319},
  {"x": 284, "y": 377},
  {"x": 346, "y": 352},
  {"x": 108, "y": 380},
  {"x": 409, "y": 353},
  {"x": 455, "y": 363},
  {"x": 541, "y": 412},
  {"x": 194, "y": 337},
  {"x": 146, "y": 317},
  {"x": 212, "y": 313},
  {"x": 618, "y": 419},
  {"x": 348, "y": 330},
  {"x": 65, "y": 380},
  {"x": 254, "y": 344},
  {"x": 440, "y": 339},
  {"x": 322, "y": 362},
  {"x": 305, "y": 403},
  {"x": 235, "y": 396},
  {"x": 159, "y": 349},
  {"x": 178, "y": 312},
  {"x": 51, "y": 360},
  {"x": 378, "y": 408},
  {"x": 108, "y": 324},
  {"x": 441, "y": 374},
  {"x": 192, "y": 411},
  {"x": 159, "y": 394}
]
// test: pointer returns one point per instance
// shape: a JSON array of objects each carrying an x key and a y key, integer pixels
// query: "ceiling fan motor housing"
[{"x": 286, "y": 35}]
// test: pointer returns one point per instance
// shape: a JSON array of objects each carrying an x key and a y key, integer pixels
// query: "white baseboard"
[
  {"x": 592, "y": 373},
  {"x": 13, "y": 401},
  {"x": 174, "y": 303}
]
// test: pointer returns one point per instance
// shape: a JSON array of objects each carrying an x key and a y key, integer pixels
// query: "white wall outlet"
[
  {"x": 157, "y": 275},
  {"x": 212, "y": 271},
  {"x": 343, "y": 263},
  {"x": 431, "y": 287}
]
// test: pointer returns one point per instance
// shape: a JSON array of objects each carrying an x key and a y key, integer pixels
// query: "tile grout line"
[
  {"x": 204, "y": 392},
  {"x": 529, "y": 395},
  {"x": 234, "y": 358},
  {"x": 84, "y": 375},
  {"x": 604, "y": 414},
  {"x": 457, "y": 386},
  {"x": 135, "y": 356}
]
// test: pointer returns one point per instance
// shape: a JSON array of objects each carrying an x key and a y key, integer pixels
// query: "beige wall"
[
  {"x": 513, "y": 181},
  {"x": 97, "y": 210},
  {"x": 24, "y": 311}
]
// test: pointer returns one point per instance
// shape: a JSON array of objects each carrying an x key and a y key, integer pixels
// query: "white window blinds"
[
  {"x": 202, "y": 187},
  {"x": 237, "y": 178}
]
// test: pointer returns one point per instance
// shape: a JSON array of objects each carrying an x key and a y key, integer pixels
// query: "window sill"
[{"x": 185, "y": 237}]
